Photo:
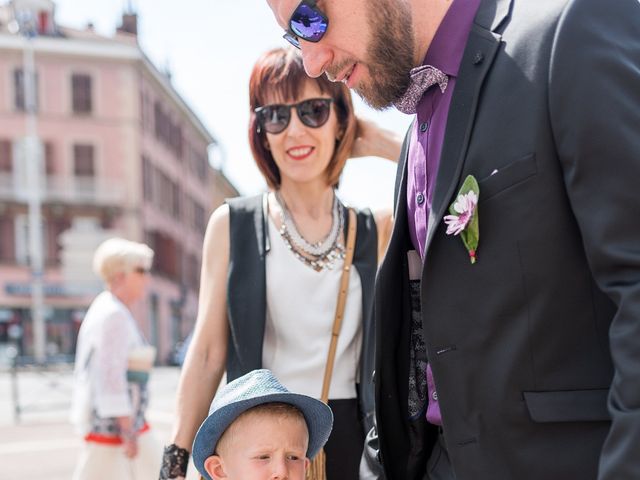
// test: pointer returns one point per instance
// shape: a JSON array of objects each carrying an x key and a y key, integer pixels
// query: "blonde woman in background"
[{"x": 112, "y": 366}]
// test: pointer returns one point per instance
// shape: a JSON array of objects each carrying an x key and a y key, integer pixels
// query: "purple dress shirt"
[{"x": 445, "y": 53}]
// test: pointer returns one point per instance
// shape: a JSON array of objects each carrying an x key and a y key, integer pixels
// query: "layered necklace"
[{"x": 320, "y": 255}]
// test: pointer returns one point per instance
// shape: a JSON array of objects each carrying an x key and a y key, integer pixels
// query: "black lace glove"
[{"x": 174, "y": 462}]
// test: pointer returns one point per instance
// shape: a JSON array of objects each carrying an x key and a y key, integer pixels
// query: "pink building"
[{"x": 122, "y": 154}]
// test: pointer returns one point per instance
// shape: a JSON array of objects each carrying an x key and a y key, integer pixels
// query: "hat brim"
[{"x": 317, "y": 415}]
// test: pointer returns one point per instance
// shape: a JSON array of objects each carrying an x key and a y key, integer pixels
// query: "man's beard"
[{"x": 390, "y": 54}]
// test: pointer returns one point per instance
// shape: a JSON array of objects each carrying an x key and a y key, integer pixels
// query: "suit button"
[
  {"x": 424, "y": 126},
  {"x": 420, "y": 198},
  {"x": 434, "y": 395}
]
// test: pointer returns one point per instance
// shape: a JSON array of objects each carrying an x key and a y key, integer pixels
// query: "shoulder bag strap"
[{"x": 342, "y": 300}]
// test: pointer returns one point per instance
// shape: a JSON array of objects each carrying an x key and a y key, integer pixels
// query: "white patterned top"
[
  {"x": 301, "y": 304},
  {"x": 108, "y": 336}
]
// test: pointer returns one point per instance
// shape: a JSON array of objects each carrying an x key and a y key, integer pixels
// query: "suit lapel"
[
  {"x": 401, "y": 172},
  {"x": 478, "y": 57}
]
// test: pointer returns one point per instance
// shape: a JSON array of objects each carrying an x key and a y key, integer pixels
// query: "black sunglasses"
[
  {"x": 275, "y": 118},
  {"x": 307, "y": 22}
]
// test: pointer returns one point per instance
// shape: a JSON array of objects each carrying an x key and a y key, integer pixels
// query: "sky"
[{"x": 210, "y": 47}]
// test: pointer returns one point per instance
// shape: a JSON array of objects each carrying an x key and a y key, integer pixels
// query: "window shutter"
[{"x": 83, "y": 161}]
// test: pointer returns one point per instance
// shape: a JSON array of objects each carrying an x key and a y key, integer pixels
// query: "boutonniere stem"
[{"x": 463, "y": 216}]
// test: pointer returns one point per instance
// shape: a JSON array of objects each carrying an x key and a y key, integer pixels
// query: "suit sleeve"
[
  {"x": 370, "y": 466},
  {"x": 594, "y": 103}
]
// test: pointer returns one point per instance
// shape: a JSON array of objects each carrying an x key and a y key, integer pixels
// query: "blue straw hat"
[{"x": 256, "y": 388}]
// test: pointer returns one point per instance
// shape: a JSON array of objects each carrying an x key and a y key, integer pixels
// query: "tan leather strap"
[{"x": 342, "y": 300}]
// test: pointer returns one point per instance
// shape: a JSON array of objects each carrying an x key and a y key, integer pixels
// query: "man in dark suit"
[{"x": 515, "y": 355}]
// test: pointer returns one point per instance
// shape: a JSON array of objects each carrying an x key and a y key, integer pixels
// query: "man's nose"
[{"x": 316, "y": 58}]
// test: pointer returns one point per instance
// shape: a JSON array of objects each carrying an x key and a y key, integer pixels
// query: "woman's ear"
[{"x": 215, "y": 467}]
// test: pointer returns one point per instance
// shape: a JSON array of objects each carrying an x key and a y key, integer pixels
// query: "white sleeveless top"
[{"x": 301, "y": 305}]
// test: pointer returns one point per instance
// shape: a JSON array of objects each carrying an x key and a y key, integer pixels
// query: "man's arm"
[{"x": 595, "y": 114}]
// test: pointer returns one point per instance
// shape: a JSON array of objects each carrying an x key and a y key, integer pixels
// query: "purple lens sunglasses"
[{"x": 307, "y": 22}]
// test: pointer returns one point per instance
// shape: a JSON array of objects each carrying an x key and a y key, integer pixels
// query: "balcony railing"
[{"x": 65, "y": 189}]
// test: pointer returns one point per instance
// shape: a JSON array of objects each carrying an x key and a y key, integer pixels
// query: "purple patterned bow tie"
[{"x": 422, "y": 78}]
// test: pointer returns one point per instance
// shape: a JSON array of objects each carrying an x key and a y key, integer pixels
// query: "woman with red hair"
[{"x": 273, "y": 265}]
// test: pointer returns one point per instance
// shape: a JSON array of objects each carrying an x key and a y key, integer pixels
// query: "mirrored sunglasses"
[
  {"x": 275, "y": 118},
  {"x": 307, "y": 22}
]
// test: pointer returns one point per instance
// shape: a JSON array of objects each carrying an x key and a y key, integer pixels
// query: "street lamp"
[{"x": 26, "y": 25}]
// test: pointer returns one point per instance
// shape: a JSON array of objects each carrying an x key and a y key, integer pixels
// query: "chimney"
[{"x": 129, "y": 23}]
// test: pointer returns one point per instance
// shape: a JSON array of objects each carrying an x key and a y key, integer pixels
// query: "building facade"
[{"x": 120, "y": 153}]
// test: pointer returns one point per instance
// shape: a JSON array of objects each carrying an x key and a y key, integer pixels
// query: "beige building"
[{"x": 121, "y": 154}]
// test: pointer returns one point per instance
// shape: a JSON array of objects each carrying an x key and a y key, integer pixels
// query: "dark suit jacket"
[{"x": 535, "y": 349}]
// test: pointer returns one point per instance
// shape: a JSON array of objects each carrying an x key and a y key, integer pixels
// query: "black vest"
[{"x": 246, "y": 291}]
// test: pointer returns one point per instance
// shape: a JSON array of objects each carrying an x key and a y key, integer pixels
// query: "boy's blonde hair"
[
  {"x": 118, "y": 255},
  {"x": 275, "y": 409}
]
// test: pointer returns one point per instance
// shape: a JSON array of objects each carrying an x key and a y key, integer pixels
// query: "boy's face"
[{"x": 261, "y": 446}]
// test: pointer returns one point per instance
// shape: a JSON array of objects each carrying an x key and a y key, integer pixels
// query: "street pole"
[{"x": 34, "y": 169}]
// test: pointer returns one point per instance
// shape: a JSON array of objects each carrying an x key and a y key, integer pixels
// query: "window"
[
  {"x": 43, "y": 22},
  {"x": 147, "y": 179},
  {"x": 18, "y": 84},
  {"x": 175, "y": 141},
  {"x": 199, "y": 220},
  {"x": 199, "y": 163},
  {"x": 168, "y": 257},
  {"x": 193, "y": 272},
  {"x": 49, "y": 159},
  {"x": 176, "y": 194},
  {"x": 160, "y": 121},
  {"x": 83, "y": 162},
  {"x": 7, "y": 235},
  {"x": 6, "y": 156},
  {"x": 167, "y": 130},
  {"x": 81, "y": 93}
]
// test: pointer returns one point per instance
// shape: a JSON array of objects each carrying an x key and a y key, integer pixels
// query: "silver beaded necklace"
[{"x": 319, "y": 255}]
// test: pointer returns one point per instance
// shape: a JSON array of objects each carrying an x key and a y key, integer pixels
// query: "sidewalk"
[{"x": 43, "y": 446}]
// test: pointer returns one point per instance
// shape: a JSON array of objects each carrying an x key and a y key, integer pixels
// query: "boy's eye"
[{"x": 263, "y": 457}]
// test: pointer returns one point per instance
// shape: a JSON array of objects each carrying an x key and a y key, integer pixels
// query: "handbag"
[{"x": 317, "y": 469}]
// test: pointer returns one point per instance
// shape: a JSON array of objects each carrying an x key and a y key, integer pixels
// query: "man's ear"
[{"x": 215, "y": 467}]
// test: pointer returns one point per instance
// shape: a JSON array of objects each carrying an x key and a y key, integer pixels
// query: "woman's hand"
[
  {"x": 128, "y": 436},
  {"x": 130, "y": 445},
  {"x": 372, "y": 140}
]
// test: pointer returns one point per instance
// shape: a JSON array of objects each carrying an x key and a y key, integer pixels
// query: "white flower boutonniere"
[{"x": 463, "y": 218}]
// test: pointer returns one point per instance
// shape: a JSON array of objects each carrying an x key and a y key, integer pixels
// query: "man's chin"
[{"x": 372, "y": 98}]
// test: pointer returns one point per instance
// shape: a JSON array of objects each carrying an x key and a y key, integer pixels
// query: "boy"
[{"x": 257, "y": 429}]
